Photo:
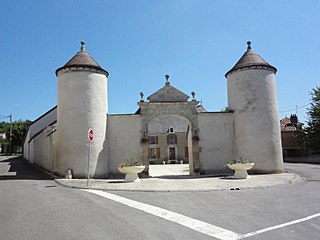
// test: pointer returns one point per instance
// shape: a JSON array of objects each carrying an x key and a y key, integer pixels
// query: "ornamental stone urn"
[
  {"x": 131, "y": 173},
  {"x": 240, "y": 169}
]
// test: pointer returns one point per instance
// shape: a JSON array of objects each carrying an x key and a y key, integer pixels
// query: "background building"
[{"x": 289, "y": 127}]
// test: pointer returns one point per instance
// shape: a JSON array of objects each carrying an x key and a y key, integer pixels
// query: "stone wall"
[
  {"x": 187, "y": 110},
  {"x": 216, "y": 141},
  {"x": 315, "y": 159},
  {"x": 40, "y": 150},
  {"x": 35, "y": 128},
  {"x": 123, "y": 140}
]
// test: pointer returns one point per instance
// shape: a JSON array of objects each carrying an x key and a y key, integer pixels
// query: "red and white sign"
[{"x": 90, "y": 135}]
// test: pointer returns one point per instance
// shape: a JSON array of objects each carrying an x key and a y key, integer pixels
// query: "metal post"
[
  {"x": 88, "y": 169},
  {"x": 10, "y": 137}
]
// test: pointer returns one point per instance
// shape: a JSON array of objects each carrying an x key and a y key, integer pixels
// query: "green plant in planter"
[
  {"x": 130, "y": 163},
  {"x": 239, "y": 160}
]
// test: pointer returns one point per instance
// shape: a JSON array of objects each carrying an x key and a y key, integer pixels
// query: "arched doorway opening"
[{"x": 169, "y": 142}]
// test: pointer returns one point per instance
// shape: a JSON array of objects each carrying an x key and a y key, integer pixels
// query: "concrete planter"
[
  {"x": 240, "y": 169},
  {"x": 131, "y": 173}
]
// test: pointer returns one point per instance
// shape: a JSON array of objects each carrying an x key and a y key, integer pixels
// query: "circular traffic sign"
[{"x": 90, "y": 135}]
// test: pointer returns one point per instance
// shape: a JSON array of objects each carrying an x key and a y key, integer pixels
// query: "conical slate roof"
[
  {"x": 82, "y": 59},
  {"x": 250, "y": 59}
]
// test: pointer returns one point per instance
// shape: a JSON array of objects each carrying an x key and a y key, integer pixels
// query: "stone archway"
[
  {"x": 169, "y": 145},
  {"x": 186, "y": 110}
]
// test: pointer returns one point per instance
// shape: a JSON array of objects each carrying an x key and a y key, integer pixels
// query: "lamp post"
[{"x": 10, "y": 137}]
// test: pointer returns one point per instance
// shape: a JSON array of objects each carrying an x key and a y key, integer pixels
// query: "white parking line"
[
  {"x": 281, "y": 225},
  {"x": 199, "y": 226},
  {"x": 194, "y": 224}
]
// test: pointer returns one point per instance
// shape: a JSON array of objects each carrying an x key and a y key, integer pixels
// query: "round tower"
[
  {"x": 82, "y": 105},
  {"x": 252, "y": 98}
]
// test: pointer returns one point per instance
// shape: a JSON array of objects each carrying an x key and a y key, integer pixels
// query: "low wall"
[{"x": 307, "y": 159}]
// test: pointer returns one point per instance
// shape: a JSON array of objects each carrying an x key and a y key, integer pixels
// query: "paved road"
[{"x": 32, "y": 206}]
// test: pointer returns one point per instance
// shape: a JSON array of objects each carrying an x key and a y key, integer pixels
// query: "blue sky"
[{"x": 194, "y": 41}]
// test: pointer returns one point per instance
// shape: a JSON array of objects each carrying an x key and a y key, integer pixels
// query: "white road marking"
[
  {"x": 194, "y": 224},
  {"x": 197, "y": 225},
  {"x": 5, "y": 169},
  {"x": 281, "y": 225}
]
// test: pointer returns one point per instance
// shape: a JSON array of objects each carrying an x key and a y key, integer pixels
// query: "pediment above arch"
[{"x": 168, "y": 93}]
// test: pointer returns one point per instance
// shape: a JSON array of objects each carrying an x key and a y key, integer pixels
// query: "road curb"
[{"x": 184, "y": 185}]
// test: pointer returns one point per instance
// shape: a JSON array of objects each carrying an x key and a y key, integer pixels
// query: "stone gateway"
[{"x": 167, "y": 128}]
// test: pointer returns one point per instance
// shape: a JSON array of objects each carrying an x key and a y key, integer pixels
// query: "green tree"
[
  {"x": 4, "y": 128},
  {"x": 225, "y": 109},
  {"x": 313, "y": 128},
  {"x": 19, "y": 129},
  {"x": 311, "y": 133}
]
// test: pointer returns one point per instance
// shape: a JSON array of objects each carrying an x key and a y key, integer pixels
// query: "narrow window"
[
  {"x": 153, "y": 140},
  {"x": 172, "y": 139},
  {"x": 186, "y": 152},
  {"x": 153, "y": 153}
]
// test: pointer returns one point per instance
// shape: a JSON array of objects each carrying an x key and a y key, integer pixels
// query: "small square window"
[{"x": 153, "y": 140}]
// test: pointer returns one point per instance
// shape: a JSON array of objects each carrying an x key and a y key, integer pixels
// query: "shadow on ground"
[{"x": 20, "y": 169}]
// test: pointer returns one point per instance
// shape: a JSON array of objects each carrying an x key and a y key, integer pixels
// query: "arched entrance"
[
  {"x": 161, "y": 116},
  {"x": 165, "y": 105},
  {"x": 169, "y": 146}
]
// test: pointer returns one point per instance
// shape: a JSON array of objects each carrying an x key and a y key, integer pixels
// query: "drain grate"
[{"x": 235, "y": 188}]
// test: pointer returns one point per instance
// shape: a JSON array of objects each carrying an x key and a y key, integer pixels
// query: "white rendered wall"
[
  {"x": 28, "y": 151},
  {"x": 216, "y": 135},
  {"x": 252, "y": 97},
  {"x": 42, "y": 122},
  {"x": 44, "y": 153},
  {"x": 123, "y": 139},
  {"x": 26, "y": 147},
  {"x": 40, "y": 150},
  {"x": 82, "y": 104},
  {"x": 37, "y": 126}
]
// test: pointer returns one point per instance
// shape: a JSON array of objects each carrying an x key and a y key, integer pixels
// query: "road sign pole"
[
  {"x": 90, "y": 138},
  {"x": 88, "y": 167}
]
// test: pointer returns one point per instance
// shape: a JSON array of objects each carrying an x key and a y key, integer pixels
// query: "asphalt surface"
[
  {"x": 17, "y": 168},
  {"x": 14, "y": 167},
  {"x": 175, "y": 178},
  {"x": 33, "y": 206}
]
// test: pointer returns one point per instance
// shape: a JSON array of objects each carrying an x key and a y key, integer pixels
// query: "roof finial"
[
  {"x": 249, "y": 46},
  {"x": 141, "y": 95},
  {"x": 167, "y": 79},
  {"x": 193, "y": 95},
  {"x": 82, "y": 46}
]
